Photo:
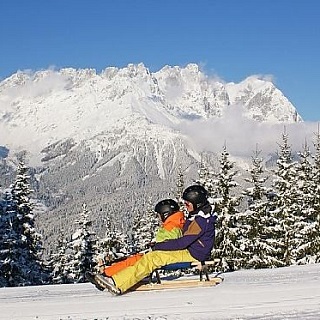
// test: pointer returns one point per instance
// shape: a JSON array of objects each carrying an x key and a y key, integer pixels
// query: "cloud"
[
  {"x": 241, "y": 134},
  {"x": 36, "y": 84},
  {"x": 264, "y": 77}
]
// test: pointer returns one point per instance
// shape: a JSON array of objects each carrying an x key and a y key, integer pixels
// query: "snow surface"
[{"x": 283, "y": 293}]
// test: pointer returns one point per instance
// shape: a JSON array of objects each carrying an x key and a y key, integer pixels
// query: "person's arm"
[
  {"x": 193, "y": 233},
  {"x": 165, "y": 235}
]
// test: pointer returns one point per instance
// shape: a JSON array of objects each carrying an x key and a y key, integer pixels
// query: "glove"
[{"x": 151, "y": 245}]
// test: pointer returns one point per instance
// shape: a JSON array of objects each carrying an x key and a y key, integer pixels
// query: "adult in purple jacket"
[{"x": 195, "y": 244}]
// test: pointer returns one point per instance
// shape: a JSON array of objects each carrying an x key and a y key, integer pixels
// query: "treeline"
[
  {"x": 280, "y": 224},
  {"x": 273, "y": 221}
]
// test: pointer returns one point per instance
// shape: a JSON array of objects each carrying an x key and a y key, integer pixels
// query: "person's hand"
[{"x": 151, "y": 245}]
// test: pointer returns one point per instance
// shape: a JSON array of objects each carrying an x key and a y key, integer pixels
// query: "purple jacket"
[{"x": 198, "y": 237}]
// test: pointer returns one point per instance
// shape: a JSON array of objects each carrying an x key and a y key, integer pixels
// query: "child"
[{"x": 171, "y": 228}]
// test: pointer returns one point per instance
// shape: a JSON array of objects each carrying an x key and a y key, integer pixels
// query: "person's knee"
[{"x": 154, "y": 258}]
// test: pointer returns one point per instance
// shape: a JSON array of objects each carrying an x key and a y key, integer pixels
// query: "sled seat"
[{"x": 202, "y": 266}]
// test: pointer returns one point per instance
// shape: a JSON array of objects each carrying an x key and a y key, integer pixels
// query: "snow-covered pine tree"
[
  {"x": 22, "y": 264},
  {"x": 285, "y": 212},
  {"x": 114, "y": 244},
  {"x": 7, "y": 238},
  {"x": 59, "y": 262},
  {"x": 228, "y": 235},
  {"x": 145, "y": 226},
  {"x": 82, "y": 246},
  {"x": 255, "y": 221},
  {"x": 179, "y": 186},
  {"x": 207, "y": 179},
  {"x": 306, "y": 230},
  {"x": 315, "y": 191},
  {"x": 137, "y": 225}
]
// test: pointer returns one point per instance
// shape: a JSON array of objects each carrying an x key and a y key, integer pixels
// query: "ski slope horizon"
[{"x": 282, "y": 293}]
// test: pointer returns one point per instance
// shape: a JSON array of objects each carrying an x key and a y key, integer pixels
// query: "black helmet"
[
  {"x": 166, "y": 208},
  {"x": 197, "y": 195}
]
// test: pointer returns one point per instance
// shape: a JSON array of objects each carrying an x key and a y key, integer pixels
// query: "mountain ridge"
[{"x": 66, "y": 103}]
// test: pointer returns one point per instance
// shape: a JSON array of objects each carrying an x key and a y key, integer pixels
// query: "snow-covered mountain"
[
  {"x": 41, "y": 108},
  {"x": 123, "y": 133}
]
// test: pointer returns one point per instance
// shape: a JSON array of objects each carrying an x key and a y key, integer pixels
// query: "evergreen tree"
[
  {"x": 145, "y": 226},
  {"x": 286, "y": 212},
  {"x": 7, "y": 237},
  {"x": 82, "y": 247},
  {"x": 315, "y": 192},
  {"x": 255, "y": 221},
  {"x": 305, "y": 229},
  {"x": 114, "y": 245},
  {"x": 207, "y": 179},
  {"x": 59, "y": 262},
  {"x": 228, "y": 231},
  {"x": 21, "y": 263},
  {"x": 179, "y": 186}
]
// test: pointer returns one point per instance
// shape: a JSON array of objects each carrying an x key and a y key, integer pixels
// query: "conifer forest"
[{"x": 272, "y": 220}]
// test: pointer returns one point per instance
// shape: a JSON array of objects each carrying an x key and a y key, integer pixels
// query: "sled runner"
[
  {"x": 202, "y": 266},
  {"x": 177, "y": 284},
  {"x": 148, "y": 284}
]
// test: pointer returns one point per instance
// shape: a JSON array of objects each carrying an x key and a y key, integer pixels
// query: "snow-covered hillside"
[{"x": 278, "y": 294}]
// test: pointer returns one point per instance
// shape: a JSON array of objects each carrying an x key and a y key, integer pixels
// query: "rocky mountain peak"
[{"x": 48, "y": 105}]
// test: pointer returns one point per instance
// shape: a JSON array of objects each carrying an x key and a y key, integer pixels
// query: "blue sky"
[{"x": 232, "y": 39}]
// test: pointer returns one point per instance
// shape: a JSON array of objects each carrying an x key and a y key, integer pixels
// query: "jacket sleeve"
[
  {"x": 193, "y": 233},
  {"x": 164, "y": 235}
]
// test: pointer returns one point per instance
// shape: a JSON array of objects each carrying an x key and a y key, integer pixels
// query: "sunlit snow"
[{"x": 276, "y": 294}]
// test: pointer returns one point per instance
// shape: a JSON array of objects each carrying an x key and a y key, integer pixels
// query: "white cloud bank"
[{"x": 241, "y": 134}]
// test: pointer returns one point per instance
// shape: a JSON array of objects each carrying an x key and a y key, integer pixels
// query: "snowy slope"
[{"x": 284, "y": 293}]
